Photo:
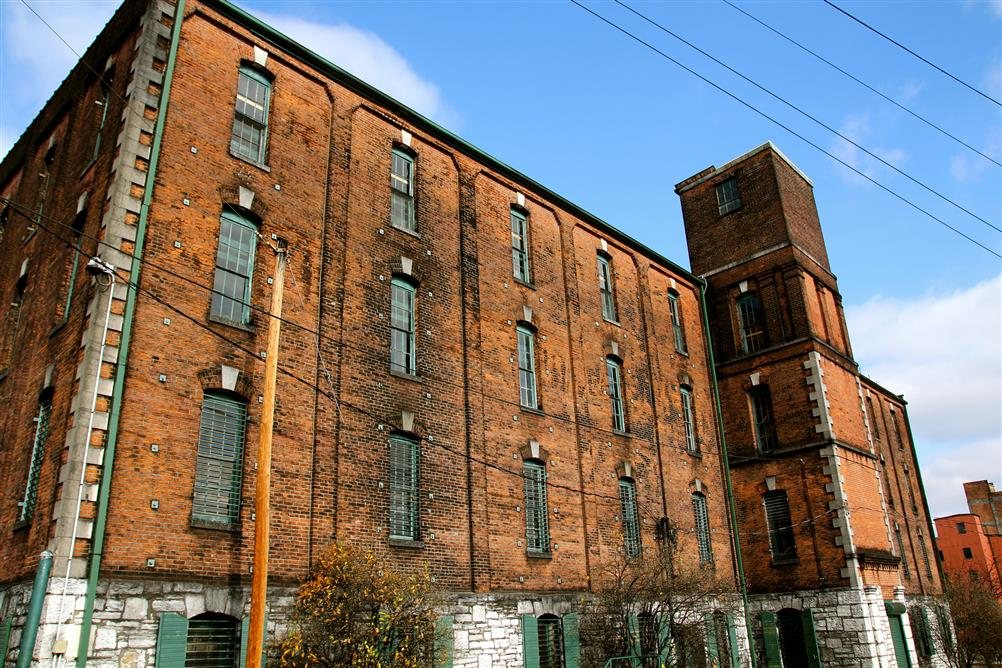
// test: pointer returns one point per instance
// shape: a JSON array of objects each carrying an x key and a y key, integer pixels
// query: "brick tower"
[{"x": 833, "y": 526}]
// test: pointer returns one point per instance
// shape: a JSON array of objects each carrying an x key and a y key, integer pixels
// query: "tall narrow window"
[
  {"x": 520, "y": 246},
  {"x": 404, "y": 455},
  {"x": 872, "y": 415},
  {"x": 614, "y": 375},
  {"x": 631, "y": 518},
  {"x": 925, "y": 555},
  {"x": 219, "y": 468},
  {"x": 728, "y": 198},
  {"x": 41, "y": 435},
  {"x": 526, "y": 367},
  {"x": 551, "y": 642},
  {"x": 605, "y": 287},
  {"x": 676, "y": 322},
  {"x": 102, "y": 102},
  {"x": 765, "y": 426},
  {"x": 402, "y": 341},
  {"x": 688, "y": 420},
  {"x": 537, "y": 528},
  {"x": 231, "y": 286},
  {"x": 250, "y": 122},
  {"x": 897, "y": 431},
  {"x": 702, "y": 526},
  {"x": 402, "y": 191},
  {"x": 751, "y": 322},
  {"x": 905, "y": 569},
  {"x": 782, "y": 542}
]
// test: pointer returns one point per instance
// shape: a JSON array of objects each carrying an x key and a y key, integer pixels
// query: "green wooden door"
[{"x": 898, "y": 638}]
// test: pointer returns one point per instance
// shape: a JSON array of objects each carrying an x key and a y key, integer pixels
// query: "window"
[
  {"x": 250, "y": 122},
  {"x": 702, "y": 526},
  {"x": 961, "y": 527},
  {"x": 605, "y": 287},
  {"x": 402, "y": 343},
  {"x": 520, "y": 246},
  {"x": 872, "y": 415},
  {"x": 213, "y": 641},
  {"x": 676, "y": 322},
  {"x": 905, "y": 568},
  {"x": 402, "y": 191},
  {"x": 765, "y": 426},
  {"x": 727, "y": 196},
  {"x": 231, "y": 287},
  {"x": 537, "y": 529},
  {"x": 404, "y": 468},
  {"x": 30, "y": 498},
  {"x": 782, "y": 543},
  {"x": 689, "y": 421},
  {"x": 614, "y": 375},
  {"x": 921, "y": 632},
  {"x": 897, "y": 431},
  {"x": 526, "y": 367},
  {"x": 551, "y": 642},
  {"x": 106, "y": 81},
  {"x": 968, "y": 554},
  {"x": 751, "y": 322},
  {"x": 219, "y": 468},
  {"x": 631, "y": 519}
]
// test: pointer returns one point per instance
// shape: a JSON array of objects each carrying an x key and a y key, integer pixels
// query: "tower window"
[
  {"x": 402, "y": 336},
  {"x": 765, "y": 426},
  {"x": 605, "y": 287},
  {"x": 751, "y": 322},
  {"x": 526, "y": 367},
  {"x": 728, "y": 198},
  {"x": 520, "y": 246},
  {"x": 614, "y": 376},
  {"x": 250, "y": 123},
  {"x": 782, "y": 543},
  {"x": 402, "y": 191},
  {"x": 676, "y": 322}
]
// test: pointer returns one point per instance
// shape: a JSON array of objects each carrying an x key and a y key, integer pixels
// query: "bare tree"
[
  {"x": 661, "y": 611},
  {"x": 356, "y": 613},
  {"x": 976, "y": 607}
]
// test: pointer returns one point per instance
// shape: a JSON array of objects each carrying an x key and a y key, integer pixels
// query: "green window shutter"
[
  {"x": 770, "y": 638},
  {"x": 811, "y": 639},
  {"x": 712, "y": 650},
  {"x": 732, "y": 637},
  {"x": 5, "y": 638},
  {"x": 633, "y": 635},
  {"x": 444, "y": 641},
  {"x": 172, "y": 640},
  {"x": 572, "y": 641},
  {"x": 244, "y": 632},
  {"x": 927, "y": 632},
  {"x": 530, "y": 641},
  {"x": 664, "y": 643}
]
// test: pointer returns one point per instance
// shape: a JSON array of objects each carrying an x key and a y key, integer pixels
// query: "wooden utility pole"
[{"x": 262, "y": 503}]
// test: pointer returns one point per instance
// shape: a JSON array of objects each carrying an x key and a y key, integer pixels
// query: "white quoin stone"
[{"x": 260, "y": 56}]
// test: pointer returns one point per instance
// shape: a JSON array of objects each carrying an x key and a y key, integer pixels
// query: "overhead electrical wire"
[
  {"x": 813, "y": 118},
  {"x": 782, "y": 125},
  {"x": 860, "y": 81},
  {"x": 902, "y": 46}
]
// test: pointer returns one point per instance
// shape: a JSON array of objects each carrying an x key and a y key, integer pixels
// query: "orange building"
[{"x": 970, "y": 544}]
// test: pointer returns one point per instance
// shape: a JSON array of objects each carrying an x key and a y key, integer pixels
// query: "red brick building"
[
  {"x": 835, "y": 535},
  {"x": 970, "y": 544},
  {"x": 472, "y": 374}
]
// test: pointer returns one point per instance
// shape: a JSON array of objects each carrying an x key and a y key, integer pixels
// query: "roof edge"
[{"x": 711, "y": 172}]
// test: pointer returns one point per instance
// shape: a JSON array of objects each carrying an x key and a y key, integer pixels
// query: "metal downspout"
[
  {"x": 27, "y": 647},
  {"x": 728, "y": 490},
  {"x": 104, "y": 491}
]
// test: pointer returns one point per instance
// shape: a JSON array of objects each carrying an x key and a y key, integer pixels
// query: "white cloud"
[
  {"x": 944, "y": 353},
  {"x": 368, "y": 57},
  {"x": 992, "y": 78},
  {"x": 967, "y": 167},
  {"x": 859, "y": 129}
]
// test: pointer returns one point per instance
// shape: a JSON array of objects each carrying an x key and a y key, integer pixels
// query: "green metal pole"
[
  {"x": 30, "y": 632},
  {"x": 728, "y": 489}
]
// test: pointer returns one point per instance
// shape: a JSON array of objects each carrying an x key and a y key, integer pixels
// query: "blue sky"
[{"x": 566, "y": 99}]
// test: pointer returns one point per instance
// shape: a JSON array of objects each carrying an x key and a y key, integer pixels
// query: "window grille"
[
  {"x": 404, "y": 454},
  {"x": 537, "y": 530},
  {"x": 905, "y": 568},
  {"x": 631, "y": 519},
  {"x": 782, "y": 542},
  {"x": 219, "y": 468},
  {"x": 28, "y": 502},
  {"x": 231, "y": 294},
  {"x": 213, "y": 642},
  {"x": 751, "y": 322},
  {"x": 702, "y": 526},
  {"x": 551, "y": 643},
  {"x": 250, "y": 122}
]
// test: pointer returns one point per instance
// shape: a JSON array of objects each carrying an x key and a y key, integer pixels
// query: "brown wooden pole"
[{"x": 262, "y": 501}]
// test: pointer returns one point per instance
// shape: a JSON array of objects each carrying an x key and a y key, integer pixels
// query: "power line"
[
  {"x": 787, "y": 128},
  {"x": 860, "y": 82},
  {"x": 902, "y": 46},
  {"x": 809, "y": 116}
]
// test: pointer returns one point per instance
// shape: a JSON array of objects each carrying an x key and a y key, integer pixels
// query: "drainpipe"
[
  {"x": 30, "y": 632},
  {"x": 725, "y": 465},
  {"x": 104, "y": 491},
  {"x": 96, "y": 268}
]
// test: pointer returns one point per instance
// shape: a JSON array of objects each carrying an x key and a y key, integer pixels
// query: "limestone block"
[
  {"x": 135, "y": 608},
  {"x": 106, "y": 638}
]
